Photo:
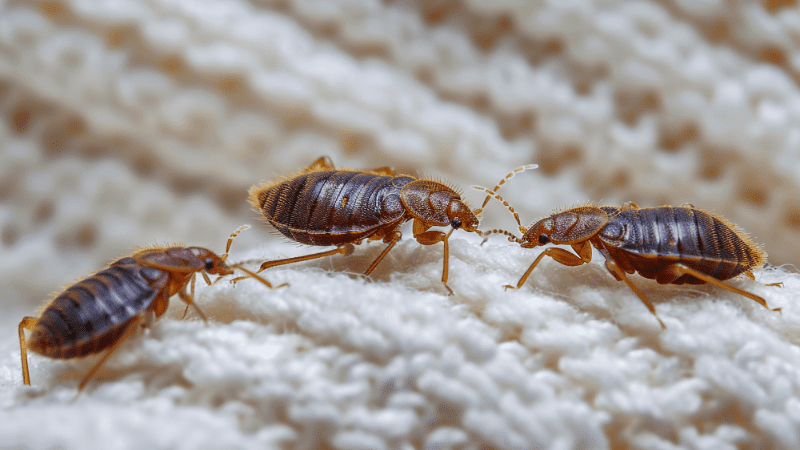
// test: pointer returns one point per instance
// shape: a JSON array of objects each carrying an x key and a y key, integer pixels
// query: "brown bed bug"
[
  {"x": 668, "y": 244},
  {"x": 326, "y": 206},
  {"x": 102, "y": 310}
]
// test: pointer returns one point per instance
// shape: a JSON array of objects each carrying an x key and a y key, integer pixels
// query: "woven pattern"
[{"x": 126, "y": 123}]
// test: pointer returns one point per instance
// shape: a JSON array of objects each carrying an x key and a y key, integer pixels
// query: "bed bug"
[
  {"x": 102, "y": 310},
  {"x": 668, "y": 244},
  {"x": 326, "y": 206}
]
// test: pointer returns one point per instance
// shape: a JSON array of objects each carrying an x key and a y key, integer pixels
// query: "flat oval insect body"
[
  {"x": 100, "y": 311},
  {"x": 668, "y": 244},
  {"x": 333, "y": 207},
  {"x": 326, "y": 206},
  {"x": 648, "y": 239},
  {"x": 93, "y": 313}
]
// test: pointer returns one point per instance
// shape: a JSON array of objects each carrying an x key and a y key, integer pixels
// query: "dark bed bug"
[
  {"x": 100, "y": 311},
  {"x": 668, "y": 244},
  {"x": 326, "y": 206}
]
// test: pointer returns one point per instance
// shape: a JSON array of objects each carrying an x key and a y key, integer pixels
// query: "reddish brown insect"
[
  {"x": 323, "y": 205},
  {"x": 100, "y": 311},
  {"x": 668, "y": 244}
]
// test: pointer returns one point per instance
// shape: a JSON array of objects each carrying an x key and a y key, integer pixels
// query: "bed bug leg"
[
  {"x": 672, "y": 272},
  {"x": 322, "y": 163},
  {"x": 129, "y": 329},
  {"x": 749, "y": 274},
  {"x": 434, "y": 237},
  {"x": 559, "y": 254},
  {"x": 619, "y": 274},
  {"x": 188, "y": 298},
  {"x": 390, "y": 240},
  {"x": 346, "y": 249},
  {"x": 27, "y": 322},
  {"x": 446, "y": 260},
  {"x": 239, "y": 265},
  {"x": 252, "y": 275},
  {"x": 629, "y": 205}
]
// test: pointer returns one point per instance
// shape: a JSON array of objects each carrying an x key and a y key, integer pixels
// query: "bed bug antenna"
[{"x": 491, "y": 192}]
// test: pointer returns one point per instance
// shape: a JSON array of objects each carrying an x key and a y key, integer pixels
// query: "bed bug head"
[
  {"x": 461, "y": 216},
  {"x": 181, "y": 259},
  {"x": 212, "y": 263},
  {"x": 537, "y": 234}
]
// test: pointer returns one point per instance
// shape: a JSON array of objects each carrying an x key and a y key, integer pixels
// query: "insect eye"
[
  {"x": 209, "y": 263},
  {"x": 456, "y": 223},
  {"x": 543, "y": 239}
]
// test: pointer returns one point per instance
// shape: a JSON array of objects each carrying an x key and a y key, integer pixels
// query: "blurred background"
[{"x": 133, "y": 122}]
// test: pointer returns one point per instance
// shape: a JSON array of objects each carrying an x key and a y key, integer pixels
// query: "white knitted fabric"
[{"x": 132, "y": 122}]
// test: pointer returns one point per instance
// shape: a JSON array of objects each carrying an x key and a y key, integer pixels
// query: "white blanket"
[
  {"x": 125, "y": 123},
  {"x": 571, "y": 360}
]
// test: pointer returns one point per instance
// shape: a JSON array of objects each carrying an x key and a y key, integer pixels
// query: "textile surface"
[{"x": 128, "y": 123}]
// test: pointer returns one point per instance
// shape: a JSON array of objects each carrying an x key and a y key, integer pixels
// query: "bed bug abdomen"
[
  {"x": 331, "y": 207},
  {"x": 650, "y": 238},
  {"x": 91, "y": 314}
]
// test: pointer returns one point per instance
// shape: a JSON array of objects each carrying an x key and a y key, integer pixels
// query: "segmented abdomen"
[
  {"x": 332, "y": 207},
  {"x": 655, "y": 237},
  {"x": 91, "y": 314}
]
